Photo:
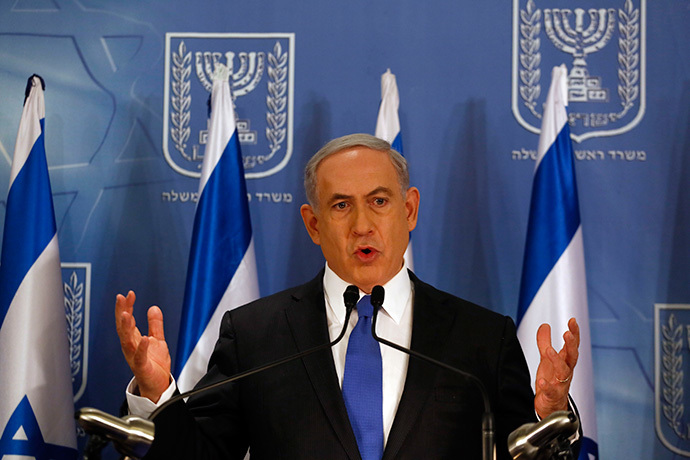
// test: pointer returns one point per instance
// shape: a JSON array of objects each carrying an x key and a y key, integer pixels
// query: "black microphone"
[
  {"x": 133, "y": 435},
  {"x": 549, "y": 438},
  {"x": 488, "y": 428}
]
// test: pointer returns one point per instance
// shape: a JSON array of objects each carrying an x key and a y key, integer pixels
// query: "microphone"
[
  {"x": 132, "y": 435},
  {"x": 549, "y": 438},
  {"x": 488, "y": 428}
]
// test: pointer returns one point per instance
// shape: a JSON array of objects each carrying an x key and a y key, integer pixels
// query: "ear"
[
  {"x": 412, "y": 207},
  {"x": 311, "y": 222}
]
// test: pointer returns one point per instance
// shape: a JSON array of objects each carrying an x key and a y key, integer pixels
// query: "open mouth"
[{"x": 366, "y": 254}]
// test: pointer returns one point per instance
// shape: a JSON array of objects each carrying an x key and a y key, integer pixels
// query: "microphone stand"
[
  {"x": 488, "y": 425},
  {"x": 143, "y": 429}
]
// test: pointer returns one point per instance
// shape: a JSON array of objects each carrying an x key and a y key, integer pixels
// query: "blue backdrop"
[{"x": 125, "y": 121}]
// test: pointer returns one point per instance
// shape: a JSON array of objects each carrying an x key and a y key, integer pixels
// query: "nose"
[{"x": 362, "y": 223}]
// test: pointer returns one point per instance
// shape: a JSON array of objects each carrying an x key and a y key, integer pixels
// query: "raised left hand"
[{"x": 555, "y": 371}]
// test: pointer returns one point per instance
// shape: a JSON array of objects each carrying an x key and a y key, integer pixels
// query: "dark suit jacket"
[{"x": 296, "y": 411}]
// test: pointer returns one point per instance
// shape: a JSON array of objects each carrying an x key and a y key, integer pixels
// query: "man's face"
[{"x": 363, "y": 220}]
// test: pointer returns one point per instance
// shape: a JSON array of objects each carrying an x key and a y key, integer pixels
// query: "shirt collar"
[{"x": 398, "y": 291}]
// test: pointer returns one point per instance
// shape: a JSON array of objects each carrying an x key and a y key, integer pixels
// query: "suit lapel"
[
  {"x": 431, "y": 324},
  {"x": 306, "y": 317}
]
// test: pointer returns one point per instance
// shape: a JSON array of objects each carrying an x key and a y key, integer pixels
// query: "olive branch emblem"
[
  {"x": 276, "y": 101},
  {"x": 530, "y": 58},
  {"x": 74, "y": 313},
  {"x": 628, "y": 58},
  {"x": 672, "y": 375},
  {"x": 181, "y": 99}
]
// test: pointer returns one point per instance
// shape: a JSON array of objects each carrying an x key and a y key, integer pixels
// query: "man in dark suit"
[{"x": 361, "y": 210}]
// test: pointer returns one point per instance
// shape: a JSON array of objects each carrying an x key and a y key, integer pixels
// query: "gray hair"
[{"x": 347, "y": 142}]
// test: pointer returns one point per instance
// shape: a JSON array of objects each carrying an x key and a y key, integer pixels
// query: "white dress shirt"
[{"x": 393, "y": 323}]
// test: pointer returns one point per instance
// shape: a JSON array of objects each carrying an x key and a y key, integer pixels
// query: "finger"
[
  {"x": 575, "y": 329},
  {"x": 124, "y": 304},
  {"x": 155, "y": 317},
  {"x": 141, "y": 355},
  {"x": 570, "y": 351},
  {"x": 561, "y": 372},
  {"x": 571, "y": 342},
  {"x": 129, "y": 335},
  {"x": 120, "y": 306},
  {"x": 544, "y": 339},
  {"x": 127, "y": 324}
]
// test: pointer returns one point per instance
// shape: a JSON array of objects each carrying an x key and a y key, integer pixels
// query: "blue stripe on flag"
[
  {"x": 222, "y": 233},
  {"x": 29, "y": 222},
  {"x": 554, "y": 217},
  {"x": 397, "y": 143}
]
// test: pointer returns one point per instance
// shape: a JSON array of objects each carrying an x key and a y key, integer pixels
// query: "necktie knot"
[{"x": 364, "y": 307}]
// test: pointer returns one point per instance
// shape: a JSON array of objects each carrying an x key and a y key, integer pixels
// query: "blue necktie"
[{"x": 362, "y": 382}]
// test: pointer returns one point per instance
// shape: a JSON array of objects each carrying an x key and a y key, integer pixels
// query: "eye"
[
  {"x": 341, "y": 205},
  {"x": 380, "y": 201}
]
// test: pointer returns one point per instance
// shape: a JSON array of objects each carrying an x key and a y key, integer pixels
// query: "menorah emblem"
[
  {"x": 243, "y": 80},
  {"x": 580, "y": 42}
]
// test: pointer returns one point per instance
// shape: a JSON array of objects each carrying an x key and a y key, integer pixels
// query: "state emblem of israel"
[
  {"x": 261, "y": 80},
  {"x": 672, "y": 363},
  {"x": 604, "y": 50}
]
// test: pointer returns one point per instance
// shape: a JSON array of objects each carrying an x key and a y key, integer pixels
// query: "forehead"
[{"x": 356, "y": 167}]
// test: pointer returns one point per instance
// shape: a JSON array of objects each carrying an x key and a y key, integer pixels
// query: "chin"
[{"x": 370, "y": 278}]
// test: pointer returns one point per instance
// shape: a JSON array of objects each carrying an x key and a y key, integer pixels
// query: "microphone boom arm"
[
  {"x": 488, "y": 425},
  {"x": 349, "y": 306}
]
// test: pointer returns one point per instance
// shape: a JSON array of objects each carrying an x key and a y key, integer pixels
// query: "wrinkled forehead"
[{"x": 355, "y": 162}]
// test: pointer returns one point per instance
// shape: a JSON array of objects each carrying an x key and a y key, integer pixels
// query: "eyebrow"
[
  {"x": 337, "y": 197},
  {"x": 378, "y": 190}
]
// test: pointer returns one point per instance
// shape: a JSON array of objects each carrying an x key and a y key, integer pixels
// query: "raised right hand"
[{"x": 147, "y": 356}]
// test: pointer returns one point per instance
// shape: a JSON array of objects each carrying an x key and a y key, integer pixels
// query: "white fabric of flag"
[
  {"x": 221, "y": 274},
  {"x": 553, "y": 287},
  {"x": 36, "y": 401},
  {"x": 388, "y": 129}
]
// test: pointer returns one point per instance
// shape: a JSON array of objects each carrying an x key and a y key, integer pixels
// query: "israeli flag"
[
  {"x": 388, "y": 128},
  {"x": 222, "y": 269},
  {"x": 36, "y": 402},
  {"x": 554, "y": 287}
]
